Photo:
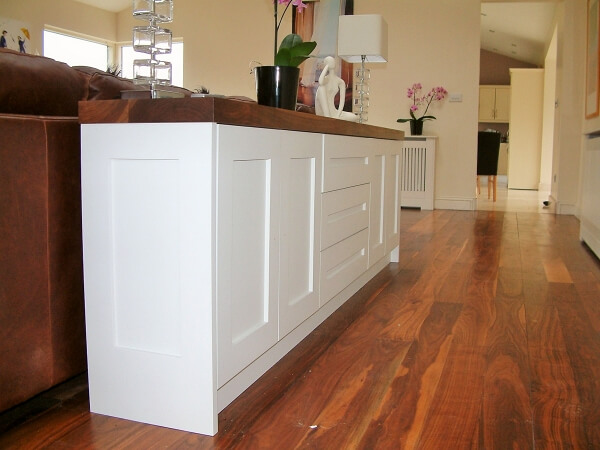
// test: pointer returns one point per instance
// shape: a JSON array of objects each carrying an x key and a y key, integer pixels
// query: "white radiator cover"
[
  {"x": 590, "y": 200},
  {"x": 418, "y": 171}
]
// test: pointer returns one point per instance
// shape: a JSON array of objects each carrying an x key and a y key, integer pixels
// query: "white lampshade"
[{"x": 363, "y": 35}]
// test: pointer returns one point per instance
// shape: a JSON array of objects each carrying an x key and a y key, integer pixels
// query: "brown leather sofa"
[{"x": 42, "y": 329}]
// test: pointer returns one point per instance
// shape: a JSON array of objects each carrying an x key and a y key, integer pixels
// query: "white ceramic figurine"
[{"x": 329, "y": 85}]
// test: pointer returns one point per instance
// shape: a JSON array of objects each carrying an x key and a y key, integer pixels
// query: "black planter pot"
[
  {"x": 416, "y": 127},
  {"x": 277, "y": 86}
]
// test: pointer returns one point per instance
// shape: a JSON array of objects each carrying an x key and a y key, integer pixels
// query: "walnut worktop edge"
[{"x": 223, "y": 111}]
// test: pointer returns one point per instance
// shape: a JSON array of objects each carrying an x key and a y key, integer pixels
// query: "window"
[
  {"x": 128, "y": 55},
  {"x": 75, "y": 51}
]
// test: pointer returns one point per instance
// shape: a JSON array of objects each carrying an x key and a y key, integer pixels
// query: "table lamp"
[{"x": 361, "y": 39}]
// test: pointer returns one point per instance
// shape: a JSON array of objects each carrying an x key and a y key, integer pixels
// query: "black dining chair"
[{"x": 488, "y": 149}]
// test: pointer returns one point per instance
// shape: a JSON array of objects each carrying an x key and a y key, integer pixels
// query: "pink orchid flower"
[{"x": 436, "y": 94}]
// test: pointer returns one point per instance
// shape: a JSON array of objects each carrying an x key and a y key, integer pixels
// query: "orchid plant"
[
  {"x": 292, "y": 51},
  {"x": 436, "y": 94}
]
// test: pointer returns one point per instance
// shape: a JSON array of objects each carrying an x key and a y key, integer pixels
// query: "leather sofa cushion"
[
  {"x": 33, "y": 84},
  {"x": 105, "y": 86}
]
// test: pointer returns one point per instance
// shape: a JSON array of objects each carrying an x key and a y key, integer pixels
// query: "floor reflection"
[{"x": 513, "y": 200}]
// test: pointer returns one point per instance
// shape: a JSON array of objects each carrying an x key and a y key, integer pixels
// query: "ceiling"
[
  {"x": 518, "y": 29},
  {"x": 109, "y": 5}
]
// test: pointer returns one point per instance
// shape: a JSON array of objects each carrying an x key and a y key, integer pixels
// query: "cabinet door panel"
[
  {"x": 247, "y": 247},
  {"x": 502, "y": 104},
  {"x": 345, "y": 212},
  {"x": 345, "y": 162},
  {"x": 487, "y": 104},
  {"x": 342, "y": 263},
  {"x": 300, "y": 231}
]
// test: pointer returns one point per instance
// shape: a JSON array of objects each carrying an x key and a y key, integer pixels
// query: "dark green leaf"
[
  {"x": 293, "y": 51},
  {"x": 291, "y": 40},
  {"x": 283, "y": 57}
]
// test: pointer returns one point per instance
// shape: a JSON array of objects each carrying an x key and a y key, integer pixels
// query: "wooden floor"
[{"x": 486, "y": 335}]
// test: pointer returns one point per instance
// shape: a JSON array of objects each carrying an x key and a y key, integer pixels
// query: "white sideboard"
[
  {"x": 211, "y": 250},
  {"x": 590, "y": 201}
]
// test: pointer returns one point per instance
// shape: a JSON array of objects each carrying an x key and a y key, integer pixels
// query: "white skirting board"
[{"x": 418, "y": 171}]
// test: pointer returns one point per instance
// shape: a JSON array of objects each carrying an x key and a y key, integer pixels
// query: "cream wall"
[
  {"x": 65, "y": 14},
  {"x": 220, "y": 39},
  {"x": 436, "y": 43}
]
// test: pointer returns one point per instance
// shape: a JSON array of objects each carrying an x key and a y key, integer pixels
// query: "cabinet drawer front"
[
  {"x": 342, "y": 263},
  {"x": 345, "y": 162},
  {"x": 344, "y": 213}
]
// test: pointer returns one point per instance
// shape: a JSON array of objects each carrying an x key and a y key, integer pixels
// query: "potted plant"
[
  {"x": 414, "y": 92},
  {"x": 277, "y": 85}
]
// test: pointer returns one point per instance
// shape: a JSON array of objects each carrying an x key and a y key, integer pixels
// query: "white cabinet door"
[
  {"x": 300, "y": 228},
  {"x": 494, "y": 104},
  {"x": 343, "y": 263},
  {"x": 502, "y": 104},
  {"x": 247, "y": 246},
  {"x": 345, "y": 162},
  {"x": 344, "y": 213},
  {"x": 487, "y": 103}
]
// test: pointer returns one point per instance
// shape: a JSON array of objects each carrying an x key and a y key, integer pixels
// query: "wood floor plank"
[
  {"x": 454, "y": 417},
  {"x": 396, "y": 420},
  {"x": 583, "y": 347},
  {"x": 588, "y": 289},
  {"x": 556, "y": 271},
  {"x": 554, "y": 399},
  {"x": 328, "y": 402},
  {"x": 506, "y": 399},
  {"x": 49, "y": 427}
]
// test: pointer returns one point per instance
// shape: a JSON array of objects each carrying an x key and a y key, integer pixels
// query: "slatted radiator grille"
[
  {"x": 418, "y": 171},
  {"x": 414, "y": 166}
]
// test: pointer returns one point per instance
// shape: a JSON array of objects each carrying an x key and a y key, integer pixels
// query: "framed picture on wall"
[
  {"x": 319, "y": 22},
  {"x": 592, "y": 84},
  {"x": 14, "y": 35}
]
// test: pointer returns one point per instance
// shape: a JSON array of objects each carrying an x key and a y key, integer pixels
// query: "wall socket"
[{"x": 455, "y": 97}]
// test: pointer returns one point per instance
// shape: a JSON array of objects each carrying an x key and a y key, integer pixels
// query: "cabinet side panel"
[
  {"x": 145, "y": 218},
  {"x": 148, "y": 235}
]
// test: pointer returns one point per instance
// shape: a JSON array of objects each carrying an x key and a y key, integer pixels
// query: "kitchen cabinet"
[
  {"x": 268, "y": 264},
  {"x": 494, "y": 103},
  {"x": 215, "y": 241}
]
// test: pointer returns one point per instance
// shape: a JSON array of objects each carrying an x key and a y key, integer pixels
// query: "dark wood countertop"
[{"x": 223, "y": 111}]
